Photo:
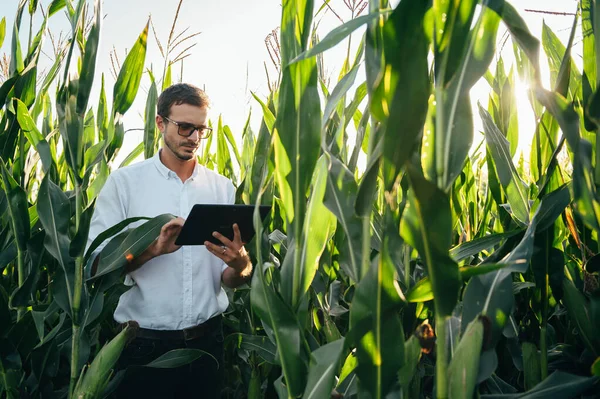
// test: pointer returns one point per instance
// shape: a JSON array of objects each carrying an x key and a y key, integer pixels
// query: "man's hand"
[
  {"x": 232, "y": 253},
  {"x": 165, "y": 243}
]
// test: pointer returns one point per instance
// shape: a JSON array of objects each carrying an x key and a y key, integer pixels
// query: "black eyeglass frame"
[{"x": 196, "y": 128}]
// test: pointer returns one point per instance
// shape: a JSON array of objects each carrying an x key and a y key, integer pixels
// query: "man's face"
[{"x": 184, "y": 148}]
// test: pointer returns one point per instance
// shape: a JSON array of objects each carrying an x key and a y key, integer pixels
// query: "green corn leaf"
[
  {"x": 229, "y": 136},
  {"x": 474, "y": 247},
  {"x": 260, "y": 344},
  {"x": 16, "y": 57},
  {"x": 543, "y": 145},
  {"x": 54, "y": 211},
  {"x": 88, "y": 67},
  {"x": 93, "y": 155},
  {"x": 412, "y": 356},
  {"x": 268, "y": 117},
  {"x": 420, "y": 292},
  {"x": 11, "y": 371},
  {"x": 95, "y": 186},
  {"x": 34, "y": 136},
  {"x": 558, "y": 385},
  {"x": 423, "y": 292},
  {"x": 72, "y": 128},
  {"x": 323, "y": 368},
  {"x": 319, "y": 226},
  {"x": 427, "y": 226},
  {"x": 150, "y": 131},
  {"x": 168, "y": 80},
  {"x": 288, "y": 335},
  {"x": 563, "y": 72},
  {"x": 56, "y": 6},
  {"x": 454, "y": 127},
  {"x": 376, "y": 329},
  {"x": 464, "y": 366},
  {"x": 297, "y": 128},
  {"x": 336, "y": 96},
  {"x": 133, "y": 155},
  {"x": 248, "y": 149},
  {"x": 89, "y": 131},
  {"x": 549, "y": 209},
  {"x": 595, "y": 369},
  {"x": 177, "y": 358},
  {"x": 224, "y": 164},
  {"x": 6, "y": 88},
  {"x": 338, "y": 34},
  {"x": 590, "y": 58},
  {"x": 95, "y": 378},
  {"x": 79, "y": 241},
  {"x": 25, "y": 85},
  {"x": 514, "y": 187},
  {"x": 130, "y": 74},
  {"x": 490, "y": 295},
  {"x": 116, "y": 132},
  {"x": 75, "y": 16},
  {"x": 578, "y": 308},
  {"x": 33, "y": 4},
  {"x": 586, "y": 196},
  {"x": 2, "y": 30},
  {"x": 519, "y": 32},
  {"x": 563, "y": 111},
  {"x": 131, "y": 245},
  {"x": 262, "y": 155},
  {"x": 531, "y": 365},
  {"x": 102, "y": 114},
  {"x": 451, "y": 23},
  {"x": 34, "y": 51},
  {"x": 340, "y": 198},
  {"x": 399, "y": 100},
  {"x": 17, "y": 207},
  {"x": 22, "y": 296}
]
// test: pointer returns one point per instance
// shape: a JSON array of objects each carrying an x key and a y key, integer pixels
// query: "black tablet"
[{"x": 206, "y": 218}]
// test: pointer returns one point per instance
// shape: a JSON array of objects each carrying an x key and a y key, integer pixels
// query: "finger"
[
  {"x": 174, "y": 223},
  {"x": 226, "y": 241},
  {"x": 171, "y": 232},
  {"x": 216, "y": 250},
  {"x": 237, "y": 235}
]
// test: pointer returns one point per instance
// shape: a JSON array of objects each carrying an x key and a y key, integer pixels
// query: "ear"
[{"x": 160, "y": 123}]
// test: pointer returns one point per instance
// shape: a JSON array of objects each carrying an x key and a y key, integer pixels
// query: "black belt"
[{"x": 186, "y": 334}]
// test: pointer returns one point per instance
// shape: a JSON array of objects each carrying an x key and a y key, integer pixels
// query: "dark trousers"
[{"x": 200, "y": 379}]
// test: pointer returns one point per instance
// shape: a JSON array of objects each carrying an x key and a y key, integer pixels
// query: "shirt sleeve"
[{"x": 109, "y": 210}]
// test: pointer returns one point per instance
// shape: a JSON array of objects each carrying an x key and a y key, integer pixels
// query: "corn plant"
[
  {"x": 422, "y": 234},
  {"x": 47, "y": 207},
  {"x": 441, "y": 269}
]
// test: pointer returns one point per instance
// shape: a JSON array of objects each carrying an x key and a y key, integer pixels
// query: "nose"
[{"x": 195, "y": 136}]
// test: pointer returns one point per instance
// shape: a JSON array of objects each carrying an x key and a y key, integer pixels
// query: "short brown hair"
[{"x": 181, "y": 93}]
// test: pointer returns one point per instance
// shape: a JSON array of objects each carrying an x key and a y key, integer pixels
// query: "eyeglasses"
[{"x": 187, "y": 129}]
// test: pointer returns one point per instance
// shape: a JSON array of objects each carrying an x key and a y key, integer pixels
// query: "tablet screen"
[{"x": 204, "y": 219}]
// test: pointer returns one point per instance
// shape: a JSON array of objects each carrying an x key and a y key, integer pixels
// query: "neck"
[{"x": 183, "y": 169}]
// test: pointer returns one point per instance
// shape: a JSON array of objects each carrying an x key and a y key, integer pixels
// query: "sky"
[{"x": 230, "y": 57}]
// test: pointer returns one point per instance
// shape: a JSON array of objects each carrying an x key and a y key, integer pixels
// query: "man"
[{"x": 176, "y": 295}]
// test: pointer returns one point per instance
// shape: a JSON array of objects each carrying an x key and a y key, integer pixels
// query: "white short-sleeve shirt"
[{"x": 177, "y": 290}]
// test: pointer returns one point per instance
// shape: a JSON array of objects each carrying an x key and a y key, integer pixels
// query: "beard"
[{"x": 178, "y": 149}]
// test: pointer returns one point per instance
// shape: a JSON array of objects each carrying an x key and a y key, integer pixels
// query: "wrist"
[
  {"x": 246, "y": 271},
  {"x": 153, "y": 250}
]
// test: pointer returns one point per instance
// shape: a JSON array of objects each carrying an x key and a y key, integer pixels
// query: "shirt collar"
[
  {"x": 166, "y": 172},
  {"x": 161, "y": 166}
]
